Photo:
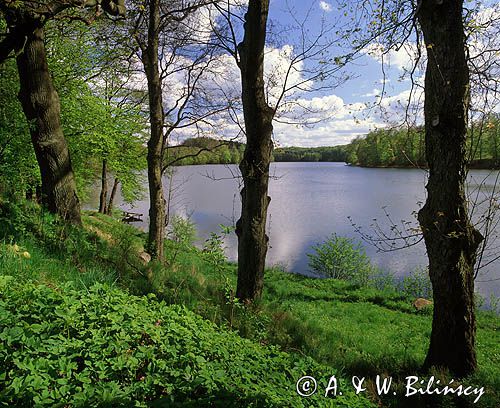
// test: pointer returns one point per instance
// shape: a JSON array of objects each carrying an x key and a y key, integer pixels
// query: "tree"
[
  {"x": 450, "y": 238},
  {"x": 18, "y": 166},
  {"x": 258, "y": 116},
  {"x": 40, "y": 100},
  {"x": 171, "y": 44},
  {"x": 41, "y": 106},
  {"x": 101, "y": 110},
  {"x": 453, "y": 66},
  {"x": 267, "y": 95}
]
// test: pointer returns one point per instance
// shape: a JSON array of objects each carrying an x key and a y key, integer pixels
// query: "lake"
[{"x": 310, "y": 201}]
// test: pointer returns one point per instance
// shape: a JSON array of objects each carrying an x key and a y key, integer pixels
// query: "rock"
[
  {"x": 144, "y": 257},
  {"x": 421, "y": 303}
]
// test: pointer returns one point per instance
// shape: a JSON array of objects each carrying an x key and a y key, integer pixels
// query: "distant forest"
[
  {"x": 205, "y": 150},
  {"x": 401, "y": 147},
  {"x": 406, "y": 147}
]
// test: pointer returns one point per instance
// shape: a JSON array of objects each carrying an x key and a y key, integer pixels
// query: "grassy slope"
[{"x": 358, "y": 331}]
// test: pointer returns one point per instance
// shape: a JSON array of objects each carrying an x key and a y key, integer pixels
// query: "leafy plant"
[
  {"x": 341, "y": 258},
  {"x": 417, "y": 284},
  {"x": 213, "y": 249},
  {"x": 104, "y": 347},
  {"x": 183, "y": 231}
]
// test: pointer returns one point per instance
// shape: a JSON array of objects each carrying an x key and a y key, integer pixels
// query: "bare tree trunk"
[
  {"x": 450, "y": 238},
  {"x": 155, "y": 143},
  {"x": 251, "y": 227},
  {"x": 103, "y": 197},
  {"x": 40, "y": 103},
  {"x": 109, "y": 207}
]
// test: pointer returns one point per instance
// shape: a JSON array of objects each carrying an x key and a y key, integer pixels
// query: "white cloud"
[
  {"x": 325, "y": 6},
  {"x": 402, "y": 59},
  {"x": 374, "y": 92}
]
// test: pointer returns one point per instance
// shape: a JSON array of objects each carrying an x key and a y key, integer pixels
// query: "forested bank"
[
  {"x": 406, "y": 147},
  {"x": 399, "y": 147},
  {"x": 204, "y": 150}
]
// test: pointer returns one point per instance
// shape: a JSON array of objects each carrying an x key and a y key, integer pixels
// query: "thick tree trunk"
[
  {"x": 251, "y": 227},
  {"x": 155, "y": 143},
  {"x": 103, "y": 197},
  {"x": 109, "y": 207},
  {"x": 40, "y": 103},
  {"x": 450, "y": 238}
]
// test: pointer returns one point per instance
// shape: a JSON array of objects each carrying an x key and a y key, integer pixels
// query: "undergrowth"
[{"x": 354, "y": 330}]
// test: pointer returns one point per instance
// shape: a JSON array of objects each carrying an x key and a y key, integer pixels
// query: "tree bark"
[
  {"x": 103, "y": 197},
  {"x": 450, "y": 238},
  {"x": 254, "y": 166},
  {"x": 155, "y": 144},
  {"x": 109, "y": 207},
  {"x": 41, "y": 107}
]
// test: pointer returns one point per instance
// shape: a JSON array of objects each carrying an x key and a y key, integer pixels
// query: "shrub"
[
  {"x": 182, "y": 232},
  {"x": 214, "y": 250},
  {"x": 341, "y": 258},
  {"x": 417, "y": 284}
]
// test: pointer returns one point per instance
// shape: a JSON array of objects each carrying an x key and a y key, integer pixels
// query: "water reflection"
[{"x": 310, "y": 201}]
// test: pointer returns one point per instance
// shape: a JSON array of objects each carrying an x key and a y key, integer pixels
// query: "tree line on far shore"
[
  {"x": 395, "y": 147},
  {"x": 403, "y": 147}
]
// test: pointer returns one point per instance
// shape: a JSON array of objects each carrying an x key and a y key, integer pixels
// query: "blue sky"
[
  {"x": 338, "y": 126},
  {"x": 352, "y": 110},
  {"x": 333, "y": 115}
]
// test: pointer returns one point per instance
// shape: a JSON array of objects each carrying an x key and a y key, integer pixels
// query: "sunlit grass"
[{"x": 353, "y": 330}]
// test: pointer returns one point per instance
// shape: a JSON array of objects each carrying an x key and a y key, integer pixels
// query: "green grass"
[
  {"x": 356, "y": 331},
  {"x": 350, "y": 330}
]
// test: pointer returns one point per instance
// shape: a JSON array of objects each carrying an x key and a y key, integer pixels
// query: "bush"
[
  {"x": 182, "y": 232},
  {"x": 341, "y": 258},
  {"x": 104, "y": 347},
  {"x": 417, "y": 284}
]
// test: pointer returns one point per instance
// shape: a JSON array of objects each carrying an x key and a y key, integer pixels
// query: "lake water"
[{"x": 310, "y": 201}]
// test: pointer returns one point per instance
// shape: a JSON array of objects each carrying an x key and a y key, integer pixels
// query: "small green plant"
[
  {"x": 183, "y": 231},
  {"x": 341, "y": 258},
  {"x": 182, "y": 234},
  {"x": 213, "y": 249},
  {"x": 382, "y": 280},
  {"x": 417, "y": 284},
  {"x": 104, "y": 347}
]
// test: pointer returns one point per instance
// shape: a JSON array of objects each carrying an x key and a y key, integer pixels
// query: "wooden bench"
[{"x": 129, "y": 216}]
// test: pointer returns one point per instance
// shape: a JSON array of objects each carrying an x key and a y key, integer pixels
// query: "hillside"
[{"x": 86, "y": 321}]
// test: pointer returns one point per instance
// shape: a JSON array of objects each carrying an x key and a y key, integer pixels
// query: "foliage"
[
  {"x": 18, "y": 165},
  {"x": 417, "y": 284},
  {"x": 104, "y": 251},
  {"x": 388, "y": 147},
  {"x": 105, "y": 347},
  {"x": 333, "y": 321},
  {"x": 205, "y": 150},
  {"x": 182, "y": 232},
  {"x": 401, "y": 147},
  {"x": 311, "y": 154},
  {"x": 100, "y": 117},
  {"x": 97, "y": 125},
  {"x": 213, "y": 248},
  {"x": 341, "y": 258}
]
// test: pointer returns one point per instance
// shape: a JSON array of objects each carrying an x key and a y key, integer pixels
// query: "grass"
[{"x": 351, "y": 330}]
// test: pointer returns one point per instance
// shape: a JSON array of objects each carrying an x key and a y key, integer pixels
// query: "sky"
[
  {"x": 355, "y": 107},
  {"x": 348, "y": 103},
  {"x": 332, "y": 112}
]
